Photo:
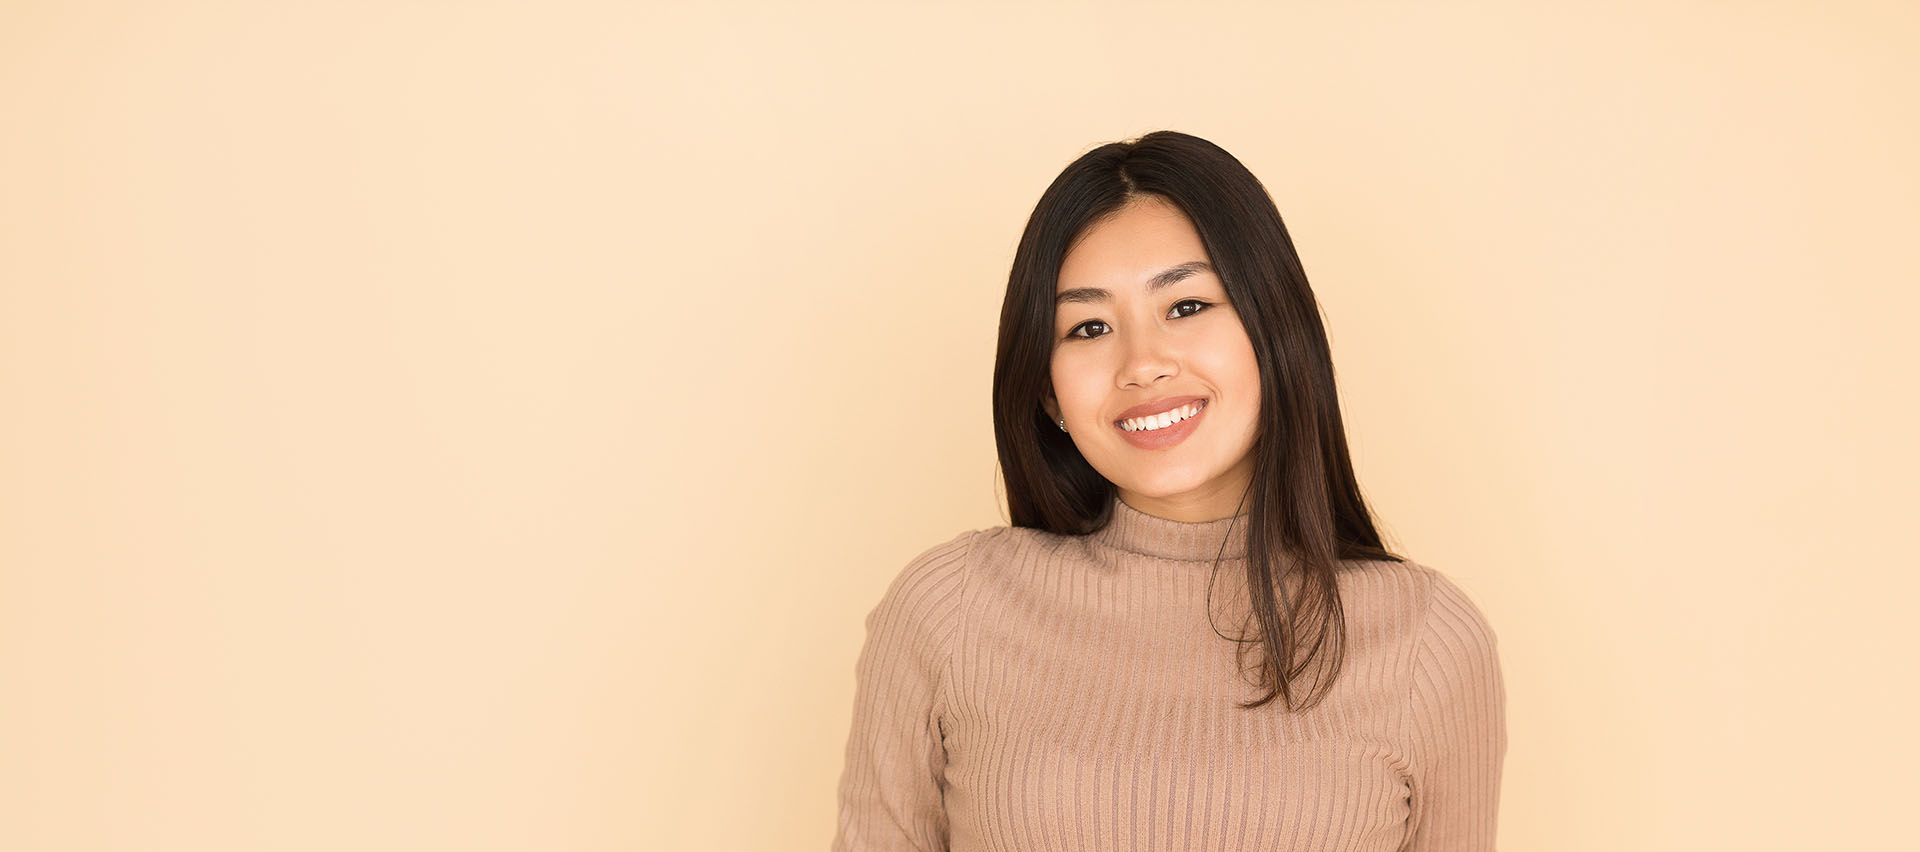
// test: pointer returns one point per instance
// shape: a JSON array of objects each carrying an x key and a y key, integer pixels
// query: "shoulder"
[
  {"x": 1451, "y": 616},
  {"x": 986, "y": 548},
  {"x": 931, "y": 582},
  {"x": 934, "y": 582},
  {"x": 1427, "y": 595},
  {"x": 1408, "y": 607},
  {"x": 929, "y": 585},
  {"x": 916, "y": 619},
  {"x": 1455, "y": 652},
  {"x": 1455, "y": 692}
]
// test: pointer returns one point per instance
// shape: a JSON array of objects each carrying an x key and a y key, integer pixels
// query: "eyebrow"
[{"x": 1166, "y": 278}]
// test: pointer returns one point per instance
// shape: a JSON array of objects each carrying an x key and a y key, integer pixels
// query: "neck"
[{"x": 1146, "y": 534}]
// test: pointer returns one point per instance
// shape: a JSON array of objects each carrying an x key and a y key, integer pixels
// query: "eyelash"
[{"x": 1075, "y": 331}]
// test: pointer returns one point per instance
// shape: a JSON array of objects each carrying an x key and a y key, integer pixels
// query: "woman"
[{"x": 1191, "y": 636}]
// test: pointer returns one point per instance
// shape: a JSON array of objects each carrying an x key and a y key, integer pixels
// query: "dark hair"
[{"x": 1307, "y": 513}]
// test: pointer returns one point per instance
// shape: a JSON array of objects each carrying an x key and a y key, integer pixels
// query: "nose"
[{"x": 1148, "y": 358}]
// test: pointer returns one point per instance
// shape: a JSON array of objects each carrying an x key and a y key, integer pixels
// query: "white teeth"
[{"x": 1163, "y": 419}]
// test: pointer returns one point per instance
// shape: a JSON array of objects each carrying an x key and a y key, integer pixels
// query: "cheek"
[
  {"x": 1247, "y": 367},
  {"x": 1071, "y": 387},
  {"x": 1234, "y": 365},
  {"x": 1247, "y": 378}
]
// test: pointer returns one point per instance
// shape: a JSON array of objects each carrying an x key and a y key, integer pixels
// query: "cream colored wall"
[{"x": 485, "y": 426}]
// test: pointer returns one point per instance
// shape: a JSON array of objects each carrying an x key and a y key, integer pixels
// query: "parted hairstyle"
[{"x": 1306, "y": 512}]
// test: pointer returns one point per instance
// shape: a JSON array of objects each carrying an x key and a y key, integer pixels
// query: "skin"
[{"x": 1133, "y": 346}]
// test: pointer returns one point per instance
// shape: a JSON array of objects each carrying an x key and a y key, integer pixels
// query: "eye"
[
  {"x": 1089, "y": 326},
  {"x": 1192, "y": 306}
]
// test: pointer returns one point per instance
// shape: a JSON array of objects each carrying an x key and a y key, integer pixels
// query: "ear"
[{"x": 1052, "y": 406}]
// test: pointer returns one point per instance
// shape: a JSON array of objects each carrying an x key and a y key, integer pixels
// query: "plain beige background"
[{"x": 485, "y": 426}]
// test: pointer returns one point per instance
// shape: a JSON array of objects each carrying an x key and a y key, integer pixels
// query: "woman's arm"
[
  {"x": 891, "y": 789},
  {"x": 1458, "y": 727}
]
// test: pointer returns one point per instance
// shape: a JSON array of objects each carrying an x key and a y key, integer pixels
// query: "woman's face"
[{"x": 1142, "y": 327}]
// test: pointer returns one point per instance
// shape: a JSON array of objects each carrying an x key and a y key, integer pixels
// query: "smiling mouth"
[{"x": 1163, "y": 420}]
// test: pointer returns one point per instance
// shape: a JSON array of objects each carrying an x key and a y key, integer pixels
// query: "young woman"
[{"x": 1191, "y": 637}]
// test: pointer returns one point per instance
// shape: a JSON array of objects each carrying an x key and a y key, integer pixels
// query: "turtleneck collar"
[{"x": 1135, "y": 531}]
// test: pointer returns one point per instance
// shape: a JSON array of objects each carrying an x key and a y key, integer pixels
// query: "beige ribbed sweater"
[{"x": 1026, "y": 691}]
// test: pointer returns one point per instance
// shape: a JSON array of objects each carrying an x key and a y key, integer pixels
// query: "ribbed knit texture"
[{"x": 1026, "y": 691}]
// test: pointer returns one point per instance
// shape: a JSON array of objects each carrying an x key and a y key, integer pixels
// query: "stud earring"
[{"x": 1063, "y": 424}]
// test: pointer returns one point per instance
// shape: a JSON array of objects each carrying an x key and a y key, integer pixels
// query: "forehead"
[{"x": 1131, "y": 246}]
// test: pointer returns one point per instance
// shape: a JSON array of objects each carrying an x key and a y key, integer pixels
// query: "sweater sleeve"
[
  {"x": 1458, "y": 735},
  {"x": 890, "y": 794}
]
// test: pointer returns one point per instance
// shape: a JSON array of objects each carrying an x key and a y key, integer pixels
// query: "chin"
[{"x": 1162, "y": 487}]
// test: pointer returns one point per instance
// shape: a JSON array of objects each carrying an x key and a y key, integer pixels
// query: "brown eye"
[
  {"x": 1092, "y": 329},
  {"x": 1187, "y": 308}
]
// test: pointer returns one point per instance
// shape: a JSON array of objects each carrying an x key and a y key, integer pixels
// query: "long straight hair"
[{"x": 1306, "y": 512}]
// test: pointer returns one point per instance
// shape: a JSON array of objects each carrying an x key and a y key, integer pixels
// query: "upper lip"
[{"x": 1157, "y": 406}]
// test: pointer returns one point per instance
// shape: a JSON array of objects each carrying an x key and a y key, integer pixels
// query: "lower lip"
[{"x": 1160, "y": 439}]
